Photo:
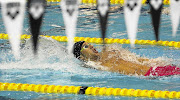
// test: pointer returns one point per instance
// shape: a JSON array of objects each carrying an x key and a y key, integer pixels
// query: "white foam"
[
  {"x": 96, "y": 65},
  {"x": 52, "y": 55}
]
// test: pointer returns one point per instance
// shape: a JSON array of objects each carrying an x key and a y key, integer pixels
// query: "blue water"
[{"x": 54, "y": 68}]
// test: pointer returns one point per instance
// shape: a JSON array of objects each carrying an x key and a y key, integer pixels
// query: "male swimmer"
[{"x": 113, "y": 61}]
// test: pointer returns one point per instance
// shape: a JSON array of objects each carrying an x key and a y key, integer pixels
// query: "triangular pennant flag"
[
  {"x": 36, "y": 9},
  {"x": 155, "y": 10},
  {"x": 131, "y": 12},
  {"x": 70, "y": 14},
  {"x": 103, "y": 11},
  {"x": 13, "y": 17},
  {"x": 175, "y": 15}
]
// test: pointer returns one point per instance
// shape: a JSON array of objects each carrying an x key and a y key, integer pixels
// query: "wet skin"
[
  {"x": 89, "y": 52},
  {"x": 113, "y": 63}
]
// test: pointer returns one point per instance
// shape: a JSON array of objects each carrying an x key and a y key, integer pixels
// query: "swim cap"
[{"x": 77, "y": 48}]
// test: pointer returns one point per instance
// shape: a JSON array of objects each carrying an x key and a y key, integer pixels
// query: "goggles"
[{"x": 85, "y": 47}]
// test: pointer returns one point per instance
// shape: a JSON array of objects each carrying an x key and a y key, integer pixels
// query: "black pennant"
[
  {"x": 103, "y": 23},
  {"x": 103, "y": 18},
  {"x": 36, "y": 11},
  {"x": 155, "y": 10},
  {"x": 10, "y": 10}
]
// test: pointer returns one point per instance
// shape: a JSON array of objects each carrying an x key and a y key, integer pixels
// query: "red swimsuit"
[{"x": 163, "y": 71}]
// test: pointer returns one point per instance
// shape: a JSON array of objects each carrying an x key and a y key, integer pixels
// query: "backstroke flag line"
[
  {"x": 131, "y": 13},
  {"x": 103, "y": 11},
  {"x": 36, "y": 9},
  {"x": 70, "y": 14},
  {"x": 155, "y": 10},
  {"x": 13, "y": 17},
  {"x": 175, "y": 15}
]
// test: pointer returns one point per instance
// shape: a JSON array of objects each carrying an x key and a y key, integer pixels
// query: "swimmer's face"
[{"x": 89, "y": 52}]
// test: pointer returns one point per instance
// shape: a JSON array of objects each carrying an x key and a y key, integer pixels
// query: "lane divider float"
[
  {"x": 166, "y": 2},
  {"x": 94, "y": 91},
  {"x": 175, "y": 44}
]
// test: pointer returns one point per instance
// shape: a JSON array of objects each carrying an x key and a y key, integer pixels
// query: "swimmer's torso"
[{"x": 115, "y": 63}]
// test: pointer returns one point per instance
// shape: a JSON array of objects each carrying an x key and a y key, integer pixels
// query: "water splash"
[{"x": 52, "y": 55}]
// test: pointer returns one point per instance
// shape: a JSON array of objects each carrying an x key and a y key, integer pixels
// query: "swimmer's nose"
[{"x": 91, "y": 46}]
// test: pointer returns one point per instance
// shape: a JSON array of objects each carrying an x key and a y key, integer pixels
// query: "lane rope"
[
  {"x": 94, "y": 91},
  {"x": 175, "y": 44},
  {"x": 165, "y": 2}
]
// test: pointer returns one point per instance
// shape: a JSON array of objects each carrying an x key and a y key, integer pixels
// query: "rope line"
[
  {"x": 106, "y": 40},
  {"x": 166, "y": 2},
  {"x": 95, "y": 91}
]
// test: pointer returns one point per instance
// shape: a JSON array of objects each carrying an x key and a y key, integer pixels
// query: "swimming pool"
[{"x": 56, "y": 69}]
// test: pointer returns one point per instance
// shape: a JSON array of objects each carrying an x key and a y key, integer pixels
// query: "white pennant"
[
  {"x": 131, "y": 13},
  {"x": 13, "y": 17},
  {"x": 70, "y": 14},
  {"x": 175, "y": 15},
  {"x": 103, "y": 6}
]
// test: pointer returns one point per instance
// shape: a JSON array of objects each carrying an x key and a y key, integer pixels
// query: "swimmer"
[{"x": 114, "y": 63}]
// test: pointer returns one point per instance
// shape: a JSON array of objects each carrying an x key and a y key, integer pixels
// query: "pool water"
[{"x": 54, "y": 67}]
